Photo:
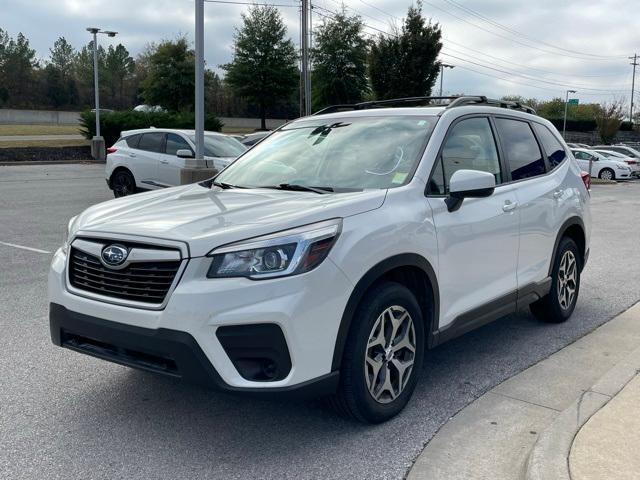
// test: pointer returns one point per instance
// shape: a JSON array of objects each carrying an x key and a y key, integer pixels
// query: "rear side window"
[
  {"x": 469, "y": 146},
  {"x": 174, "y": 143},
  {"x": 151, "y": 142},
  {"x": 132, "y": 140},
  {"x": 521, "y": 149},
  {"x": 552, "y": 147}
]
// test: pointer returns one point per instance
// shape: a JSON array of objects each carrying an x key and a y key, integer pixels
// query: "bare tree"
[{"x": 609, "y": 117}]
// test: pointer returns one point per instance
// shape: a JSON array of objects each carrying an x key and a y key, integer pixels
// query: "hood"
[{"x": 207, "y": 218}]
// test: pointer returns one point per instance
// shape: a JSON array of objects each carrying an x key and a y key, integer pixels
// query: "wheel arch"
[
  {"x": 574, "y": 229},
  {"x": 121, "y": 168},
  {"x": 409, "y": 269}
]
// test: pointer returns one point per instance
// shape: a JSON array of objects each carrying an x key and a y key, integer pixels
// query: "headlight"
[
  {"x": 67, "y": 234},
  {"x": 622, "y": 167},
  {"x": 284, "y": 253}
]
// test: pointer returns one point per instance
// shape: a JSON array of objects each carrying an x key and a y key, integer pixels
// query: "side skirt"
[{"x": 491, "y": 311}]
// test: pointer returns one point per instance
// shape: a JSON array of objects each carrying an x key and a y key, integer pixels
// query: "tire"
[
  {"x": 358, "y": 380},
  {"x": 558, "y": 305},
  {"x": 123, "y": 184},
  {"x": 607, "y": 174}
]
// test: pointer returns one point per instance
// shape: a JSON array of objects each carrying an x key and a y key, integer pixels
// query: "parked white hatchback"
[
  {"x": 332, "y": 254},
  {"x": 601, "y": 166},
  {"x": 152, "y": 158}
]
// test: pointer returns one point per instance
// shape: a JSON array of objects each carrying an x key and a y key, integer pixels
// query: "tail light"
[
  {"x": 112, "y": 150},
  {"x": 586, "y": 179}
]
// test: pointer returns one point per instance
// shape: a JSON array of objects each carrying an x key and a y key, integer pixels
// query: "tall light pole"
[
  {"x": 442, "y": 67},
  {"x": 633, "y": 84},
  {"x": 97, "y": 143},
  {"x": 199, "y": 82},
  {"x": 566, "y": 104},
  {"x": 306, "y": 77}
]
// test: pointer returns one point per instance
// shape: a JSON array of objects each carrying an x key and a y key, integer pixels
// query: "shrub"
[{"x": 111, "y": 124}]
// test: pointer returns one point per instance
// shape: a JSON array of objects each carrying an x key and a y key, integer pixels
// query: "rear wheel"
[
  {"x": 383, "y": 355},
  {"x": 123, "y": 184},
  {"x": 607, "y": 174},
  {"x": 558, "y": 305}
]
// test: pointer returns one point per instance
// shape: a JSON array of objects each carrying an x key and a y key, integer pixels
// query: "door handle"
[
  {"x": 164, "y": 161},
  {"x": 132, "y": 154},
  {"x": 509, "y": 206}
]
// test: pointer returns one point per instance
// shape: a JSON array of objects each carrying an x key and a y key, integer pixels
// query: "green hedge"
[
  {"x": 584, "y": 125},
  {"x": 111, "y": 124}
]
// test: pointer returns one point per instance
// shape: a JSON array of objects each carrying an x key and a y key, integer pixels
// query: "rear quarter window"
[
  {"x": 132, "y": 140},
  {"x": 520, "y": 148},
  {"x": 552, "y": 146}
]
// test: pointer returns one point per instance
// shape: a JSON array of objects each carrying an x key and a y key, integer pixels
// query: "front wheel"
[
  {"x": 383, "y": 355},
  {"x": 123, "y": 184},
  {"x": 607, "y": 174},
  {"x": 558, "y": 305}
]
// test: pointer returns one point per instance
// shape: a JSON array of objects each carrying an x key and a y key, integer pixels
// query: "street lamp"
[
  {"x": 442, "y": 67},
  {"x": 97, "y": 143},
  {"x": 566, "y": 104}
]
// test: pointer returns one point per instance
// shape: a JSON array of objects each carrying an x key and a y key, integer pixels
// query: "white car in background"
[
  {"x": 602, "y": 167},
  {"x": 153, "y": 158},
  {"x": 634, "y": 163}
]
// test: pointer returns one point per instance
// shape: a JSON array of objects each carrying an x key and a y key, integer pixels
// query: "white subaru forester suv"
[{"x": 329, "y": 257}]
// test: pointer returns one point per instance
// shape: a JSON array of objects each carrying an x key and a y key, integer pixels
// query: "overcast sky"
[{"x": 535, "y": 48}]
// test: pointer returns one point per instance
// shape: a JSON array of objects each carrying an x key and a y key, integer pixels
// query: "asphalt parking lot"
[{"x": 65, "y": 415}]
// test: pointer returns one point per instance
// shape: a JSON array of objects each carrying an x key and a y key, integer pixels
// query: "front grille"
[{"x": 146, "y": 282}]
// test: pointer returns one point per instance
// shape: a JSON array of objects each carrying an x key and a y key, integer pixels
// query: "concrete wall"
[
  {"x": 44, "y": 117},
  {"x": 253, "y": 123},
  {"x": 51, "y": 117},
  {"x": 592, "y": 138}
]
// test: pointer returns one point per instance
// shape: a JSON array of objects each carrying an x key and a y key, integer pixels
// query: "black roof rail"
[
  {"x": 379, "y": 103},
  {"x": 454, "y": 101}
]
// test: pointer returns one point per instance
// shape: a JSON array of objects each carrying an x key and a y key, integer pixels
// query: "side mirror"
[
  {"x": 184, "y": 153},
  {"x": 469, "y": 184}
]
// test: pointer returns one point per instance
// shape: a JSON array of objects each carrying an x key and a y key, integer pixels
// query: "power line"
[
  {"x": 253, "y": 4},
  {"x": 520, "y": 34},
  {"x": 508, "y": 38}
]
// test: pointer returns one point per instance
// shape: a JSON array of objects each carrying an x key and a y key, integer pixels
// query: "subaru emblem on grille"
[{"x": 114, "y": 255}]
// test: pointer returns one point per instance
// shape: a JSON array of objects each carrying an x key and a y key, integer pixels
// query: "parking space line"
[{"x": 22, "y": 247}]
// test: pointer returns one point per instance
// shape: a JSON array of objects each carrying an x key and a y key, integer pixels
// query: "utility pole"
[
  {"x": 566, "y": 104},
  {"x": 442, "y": 67},
  {"x": 633, "y": 84},
  {"x": 199, "y": 83},
  {"x": 97, "y": 142},
  {"x": 306, "y": 78}
]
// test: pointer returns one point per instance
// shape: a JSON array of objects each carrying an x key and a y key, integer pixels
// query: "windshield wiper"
[
  {"x": 225, "y": 186},
  {"x": 301, "y": 188}
]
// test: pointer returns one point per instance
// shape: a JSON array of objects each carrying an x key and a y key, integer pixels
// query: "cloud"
[{"x": 535, "y": 49}]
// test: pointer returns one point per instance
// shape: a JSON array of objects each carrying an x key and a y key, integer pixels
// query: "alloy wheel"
[
  {"x": 567, "y": 280},
  {"x": 122, "y": 185},
  {"x": 606, "y": 175},
  {"x": 390, "y": 354}
]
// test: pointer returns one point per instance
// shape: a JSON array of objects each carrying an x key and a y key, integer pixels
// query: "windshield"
[
  {"x": 345, "y": 153},
  {"x": 221, "y": 146}
]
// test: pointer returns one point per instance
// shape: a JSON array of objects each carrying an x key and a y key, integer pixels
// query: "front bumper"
[
  {"x": 307, "y": 310},
  {"x": 168, "y": 352}
]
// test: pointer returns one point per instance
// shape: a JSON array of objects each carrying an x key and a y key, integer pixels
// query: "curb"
[
  {"x": 549, "y": 457},
  {"x": 51, "y": 162}
]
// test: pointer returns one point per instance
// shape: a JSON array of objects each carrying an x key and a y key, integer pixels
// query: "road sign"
[{"x": 573, "y": 101}]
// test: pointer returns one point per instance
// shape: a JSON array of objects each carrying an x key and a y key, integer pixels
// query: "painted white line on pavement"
[{"x": 22, "y": 247}]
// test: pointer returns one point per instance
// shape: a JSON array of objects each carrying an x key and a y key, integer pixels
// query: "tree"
[
  {"x": 119, "y": 67},
  {"x": 340, "y": 61},
  {"x": 83, "y": 72},
  {"x": 264, "y": 66},
  {"x": 61, "y": 89},
  {"x": 404, "y": 64},
  {"x": 609, "y": 117},
  {"x": 18, "y": 65},
  {"x": 170, "y": 76}
]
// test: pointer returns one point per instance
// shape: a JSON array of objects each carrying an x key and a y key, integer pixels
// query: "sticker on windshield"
[{"x": 398, "y": 178}]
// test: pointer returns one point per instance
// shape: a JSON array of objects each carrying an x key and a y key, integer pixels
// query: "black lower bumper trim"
[{"x": 164, "y": 351}]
